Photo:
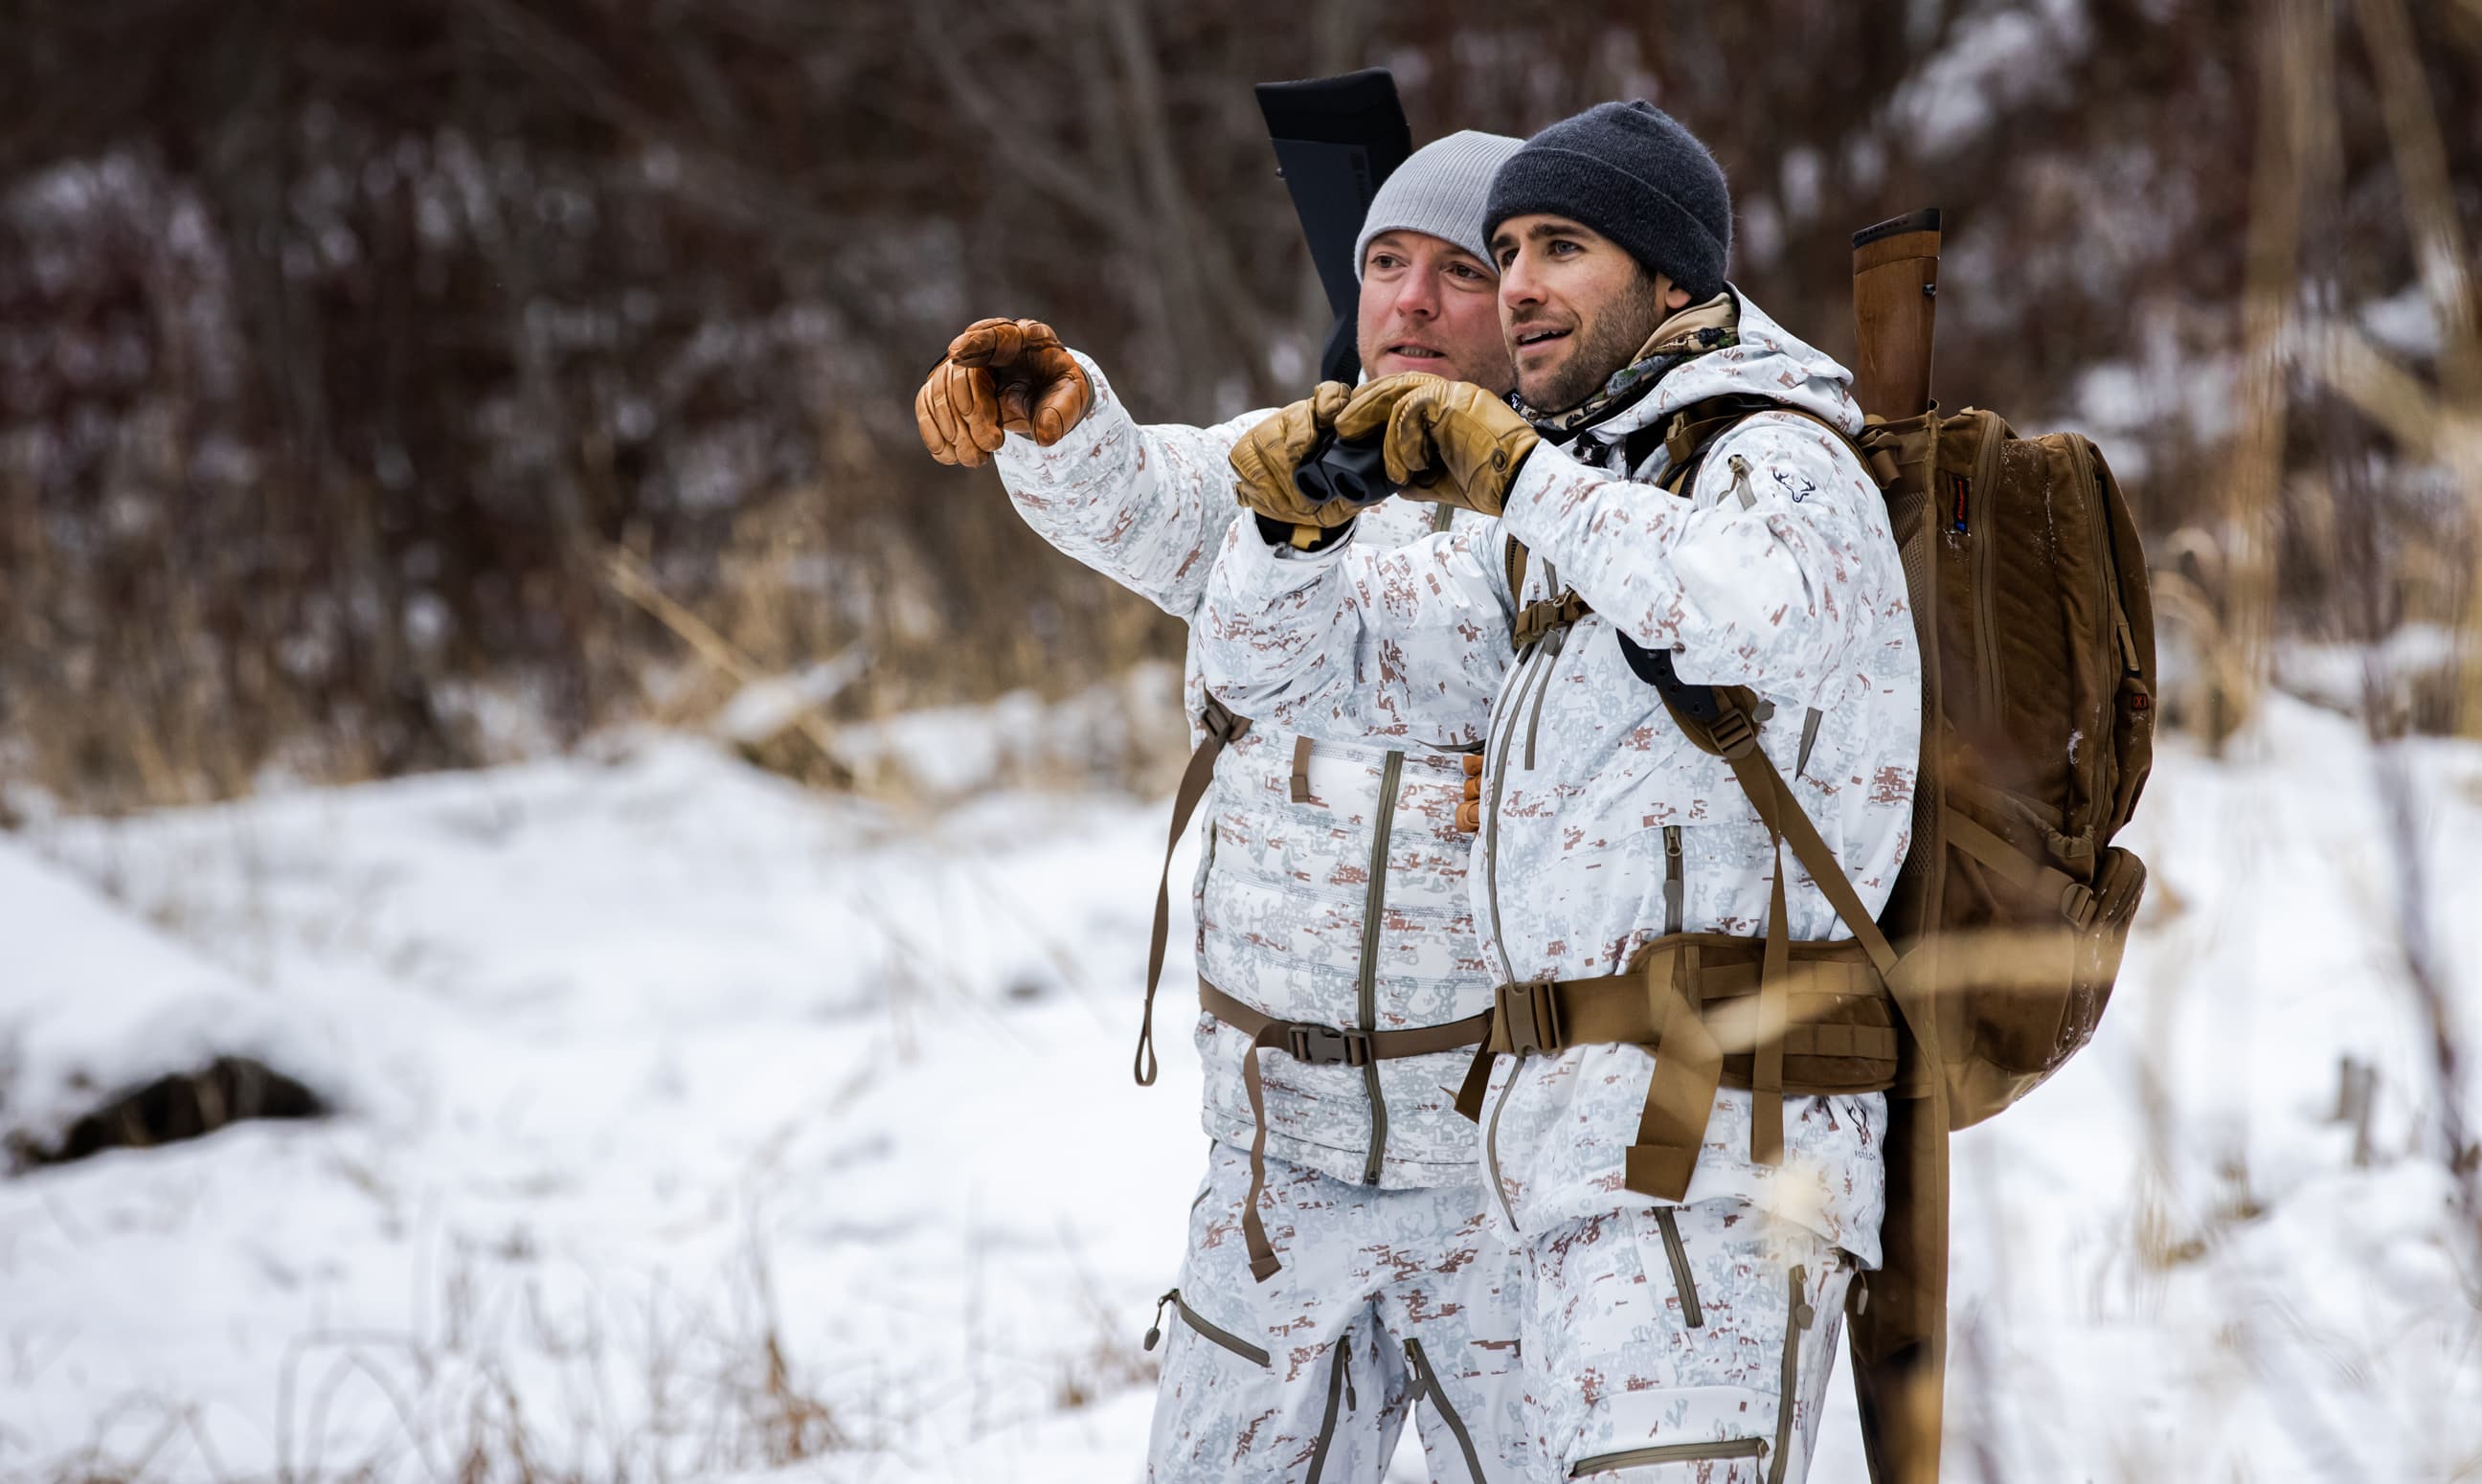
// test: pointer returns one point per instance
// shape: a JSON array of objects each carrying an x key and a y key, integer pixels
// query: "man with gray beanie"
[
  {"x": 1683, "y": 633},
  {"x": 1339, "y": 1268}
]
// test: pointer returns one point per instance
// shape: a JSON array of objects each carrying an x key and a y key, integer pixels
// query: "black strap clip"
[{"x": 1325, "y": 1046}]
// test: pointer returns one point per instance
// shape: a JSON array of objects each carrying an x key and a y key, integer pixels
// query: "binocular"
[{"x": 1340, "y": 470}]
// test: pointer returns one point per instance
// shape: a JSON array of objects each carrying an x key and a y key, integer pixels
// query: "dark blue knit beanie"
[{"x": 1630, "y": 171}]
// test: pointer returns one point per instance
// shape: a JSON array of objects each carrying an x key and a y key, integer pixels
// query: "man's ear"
[{"x": 1674, "y": 296}]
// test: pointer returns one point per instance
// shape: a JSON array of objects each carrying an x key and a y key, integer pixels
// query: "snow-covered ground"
[{"x": 695, "y": 1126}]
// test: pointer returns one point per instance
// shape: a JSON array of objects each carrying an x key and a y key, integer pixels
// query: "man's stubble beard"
[{"x": 1611, "y": 344}]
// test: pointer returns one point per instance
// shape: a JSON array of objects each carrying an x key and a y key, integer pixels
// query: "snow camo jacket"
[
  {"x": 1284, "y": 888},
  {"x": 1602, "y": 827}
]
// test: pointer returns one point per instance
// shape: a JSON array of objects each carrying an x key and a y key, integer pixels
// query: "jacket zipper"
[
  {"x": 1336, "y": 1381},
  {"x": 1426, "y": 1384},
  {"x": 1373, "y": 904},
  {"x": 1211, "y": 1332},
  {"x": 1676, "y": 885},
  {"x": 1499, "y": 775},
  {"x": 1797, "y": 1321},
  {"x": 1496, "y": 769},
  {"x": 1554, "y": 642},
  {"x": 1683, "y": 1282},
  {"x": 1491, "y": 1142}
]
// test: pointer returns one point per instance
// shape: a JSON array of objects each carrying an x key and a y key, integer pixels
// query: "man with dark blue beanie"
[
  {"x": 1674, "y": 1135},
  {"x": 1631, "y": 175}
]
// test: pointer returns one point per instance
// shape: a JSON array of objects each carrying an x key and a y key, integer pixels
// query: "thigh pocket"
[{"x": 1719, "y": 1401}]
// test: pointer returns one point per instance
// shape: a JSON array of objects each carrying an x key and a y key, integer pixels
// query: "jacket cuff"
[
  {"x": 1261, "y": 564},
  {"x": 1022, "y": 462}
]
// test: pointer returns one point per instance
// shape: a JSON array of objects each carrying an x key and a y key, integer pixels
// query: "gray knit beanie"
[
  {"x": 1441, "y": 189},
  {"x": 1630, "y": 171}
]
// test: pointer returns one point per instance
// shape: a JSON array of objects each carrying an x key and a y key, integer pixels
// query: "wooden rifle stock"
[
  {"x": 1899, "y": 1341},
  {"x": 1895, "y": 283}
]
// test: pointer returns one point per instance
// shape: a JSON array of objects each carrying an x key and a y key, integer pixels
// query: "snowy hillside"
[{"x": 695, "y": 1126}]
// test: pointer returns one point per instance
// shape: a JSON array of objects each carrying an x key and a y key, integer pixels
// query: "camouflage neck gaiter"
[{"x": 1684, "y": 336}]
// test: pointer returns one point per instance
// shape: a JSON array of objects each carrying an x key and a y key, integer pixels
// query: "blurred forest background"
[{"x": 391, "y": 387}]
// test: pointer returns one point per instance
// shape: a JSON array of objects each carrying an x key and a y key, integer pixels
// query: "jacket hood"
[{"x": 1768, "y": 363}]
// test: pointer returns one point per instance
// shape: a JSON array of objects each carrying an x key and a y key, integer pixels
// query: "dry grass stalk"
[
  {"x": 2245, "y": 611},
  {"x": 629, "y": 577},
  {"x": 2453, "y": 417}
]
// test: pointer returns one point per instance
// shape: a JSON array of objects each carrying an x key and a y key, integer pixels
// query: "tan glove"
[
  {"x": 1267, "y": 455},
  {"x": 1449, "y": 443},
  {"x": 1001, "y": 376}
]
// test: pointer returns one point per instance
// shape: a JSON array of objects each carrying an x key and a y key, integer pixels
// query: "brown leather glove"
[
  {"x": 1267, "y": 455},
  {"x": 1449, "y": 443},
  {"x": 1001, "y": 376}
]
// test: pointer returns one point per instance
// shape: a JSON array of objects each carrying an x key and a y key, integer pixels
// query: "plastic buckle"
[
  {"x": 2078, "y": 904},
  {"x": 1675, "y": 439},
  {"x": 1323, "y": 1045},
  {"x": 1732, "y": 733},
  {"x": 1220, "y": 721},
  {"x": 1531, "y": 1013}
]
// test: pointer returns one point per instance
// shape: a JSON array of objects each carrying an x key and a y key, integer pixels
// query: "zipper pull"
[
  {"x": 1675, "y": 887},
  {"x": 1741, "y": 483},
  {"x": 1154, "y": 1333},
  {"x": 1802, "y": 1315},
  {"x": 1344, "y": 1357}
]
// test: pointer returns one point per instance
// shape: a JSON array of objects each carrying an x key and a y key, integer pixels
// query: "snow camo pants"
[
  {"x": 1663, "y": 1346},
  {"x": 1390, "y": 1301}
]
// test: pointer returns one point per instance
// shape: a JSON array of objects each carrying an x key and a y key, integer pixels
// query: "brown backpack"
[
  {"x": 2001, "y": 938},
  {"x": 2037, "y": 633},
  {"x": 2031, "y": 603}
]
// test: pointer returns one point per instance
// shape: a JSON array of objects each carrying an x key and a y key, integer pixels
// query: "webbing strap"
[
  {"x": 1319, "y": 1045},
  {"x": 1539, "y": 1017},
  {"x": 1695, "y": 426},
  {"x": 1786, "y": 819},
  {"x": 1681, "y": 1095},
  {"x": 1766, "y": 1071},
  {"x": 2012, "y": 866},
  {"x": 1543, "y": 615},
  {"x": 1695, "y": 999},
  {"x": 1221, "y": 724}
]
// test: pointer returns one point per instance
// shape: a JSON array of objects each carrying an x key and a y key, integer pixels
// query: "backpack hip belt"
[
  {"x": 1700, "y": 1003},
  {"x": 1319, "y": 1045}
]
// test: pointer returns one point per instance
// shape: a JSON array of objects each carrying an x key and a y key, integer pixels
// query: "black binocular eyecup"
[{"x": 1339, "y": 470}]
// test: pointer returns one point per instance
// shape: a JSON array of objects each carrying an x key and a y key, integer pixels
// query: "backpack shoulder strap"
[
  {"x": 1716, "y": 720},
  {"x": 1695, "y": 428}
]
